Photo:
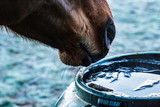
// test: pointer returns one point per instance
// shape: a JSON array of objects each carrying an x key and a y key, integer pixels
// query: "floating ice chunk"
[
  {"x": 146, "y": 84},
  {"x": 109, "y": 75},
  {"x": 140, "y": 69},
  {"x": 114, "y": 77},
  {"x": 127, "y": 74},
  {"x": 124, "y": 69},
  {"x": 101, "y": 75}
]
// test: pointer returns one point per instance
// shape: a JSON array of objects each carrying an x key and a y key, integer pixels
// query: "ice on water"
[{"x": 147, "y": 84}]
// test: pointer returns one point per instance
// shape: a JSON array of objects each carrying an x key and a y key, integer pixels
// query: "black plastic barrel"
[{"x": 135, "y": 68}]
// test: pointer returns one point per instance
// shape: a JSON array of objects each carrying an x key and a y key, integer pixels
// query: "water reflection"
[{"x": 128, "y": 78}]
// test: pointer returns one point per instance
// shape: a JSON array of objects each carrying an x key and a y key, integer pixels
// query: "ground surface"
[{"x": 32, "y": 75}]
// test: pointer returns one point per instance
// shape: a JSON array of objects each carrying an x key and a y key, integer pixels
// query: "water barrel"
[{"x": 131, "y": 80}]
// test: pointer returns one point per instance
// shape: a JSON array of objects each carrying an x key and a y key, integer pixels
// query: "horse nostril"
[
  {"x": 110, "y": 30},
  {"x": 109, "y": 35}
]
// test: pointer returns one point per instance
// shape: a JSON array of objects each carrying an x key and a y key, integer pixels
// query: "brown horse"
[{"x": 82, "y": 30}]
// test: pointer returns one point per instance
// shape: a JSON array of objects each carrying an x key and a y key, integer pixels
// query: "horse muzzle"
[{"x": 109, "y": 35}]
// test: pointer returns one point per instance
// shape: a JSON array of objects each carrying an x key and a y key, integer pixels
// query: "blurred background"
[{"x": 31, "y": 75}]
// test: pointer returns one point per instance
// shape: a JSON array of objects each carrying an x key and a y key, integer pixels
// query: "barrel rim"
[{"x": 98, "y": 94}]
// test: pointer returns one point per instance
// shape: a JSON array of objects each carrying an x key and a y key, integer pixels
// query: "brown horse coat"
[{"x": 81, "y": 30}]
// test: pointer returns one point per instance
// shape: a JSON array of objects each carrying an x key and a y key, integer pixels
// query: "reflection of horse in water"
[{"x": 81, "y": 30}]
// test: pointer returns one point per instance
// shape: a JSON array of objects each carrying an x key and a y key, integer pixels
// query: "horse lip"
[
  {"x": 86, "y": 60},
  {"x": 88, "y": 57},
  {"x": 109, "y": 35},
  {"x": 91, "y": 58}
]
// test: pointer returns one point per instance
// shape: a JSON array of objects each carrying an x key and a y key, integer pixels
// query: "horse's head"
[
  {"x": 88, "y": 45},
  {"x": 82, "y": 30},
  {"x": 91, "y": 32}
]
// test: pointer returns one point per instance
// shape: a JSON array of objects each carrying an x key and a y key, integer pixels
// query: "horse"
[{"x": 81, "y": 30}]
